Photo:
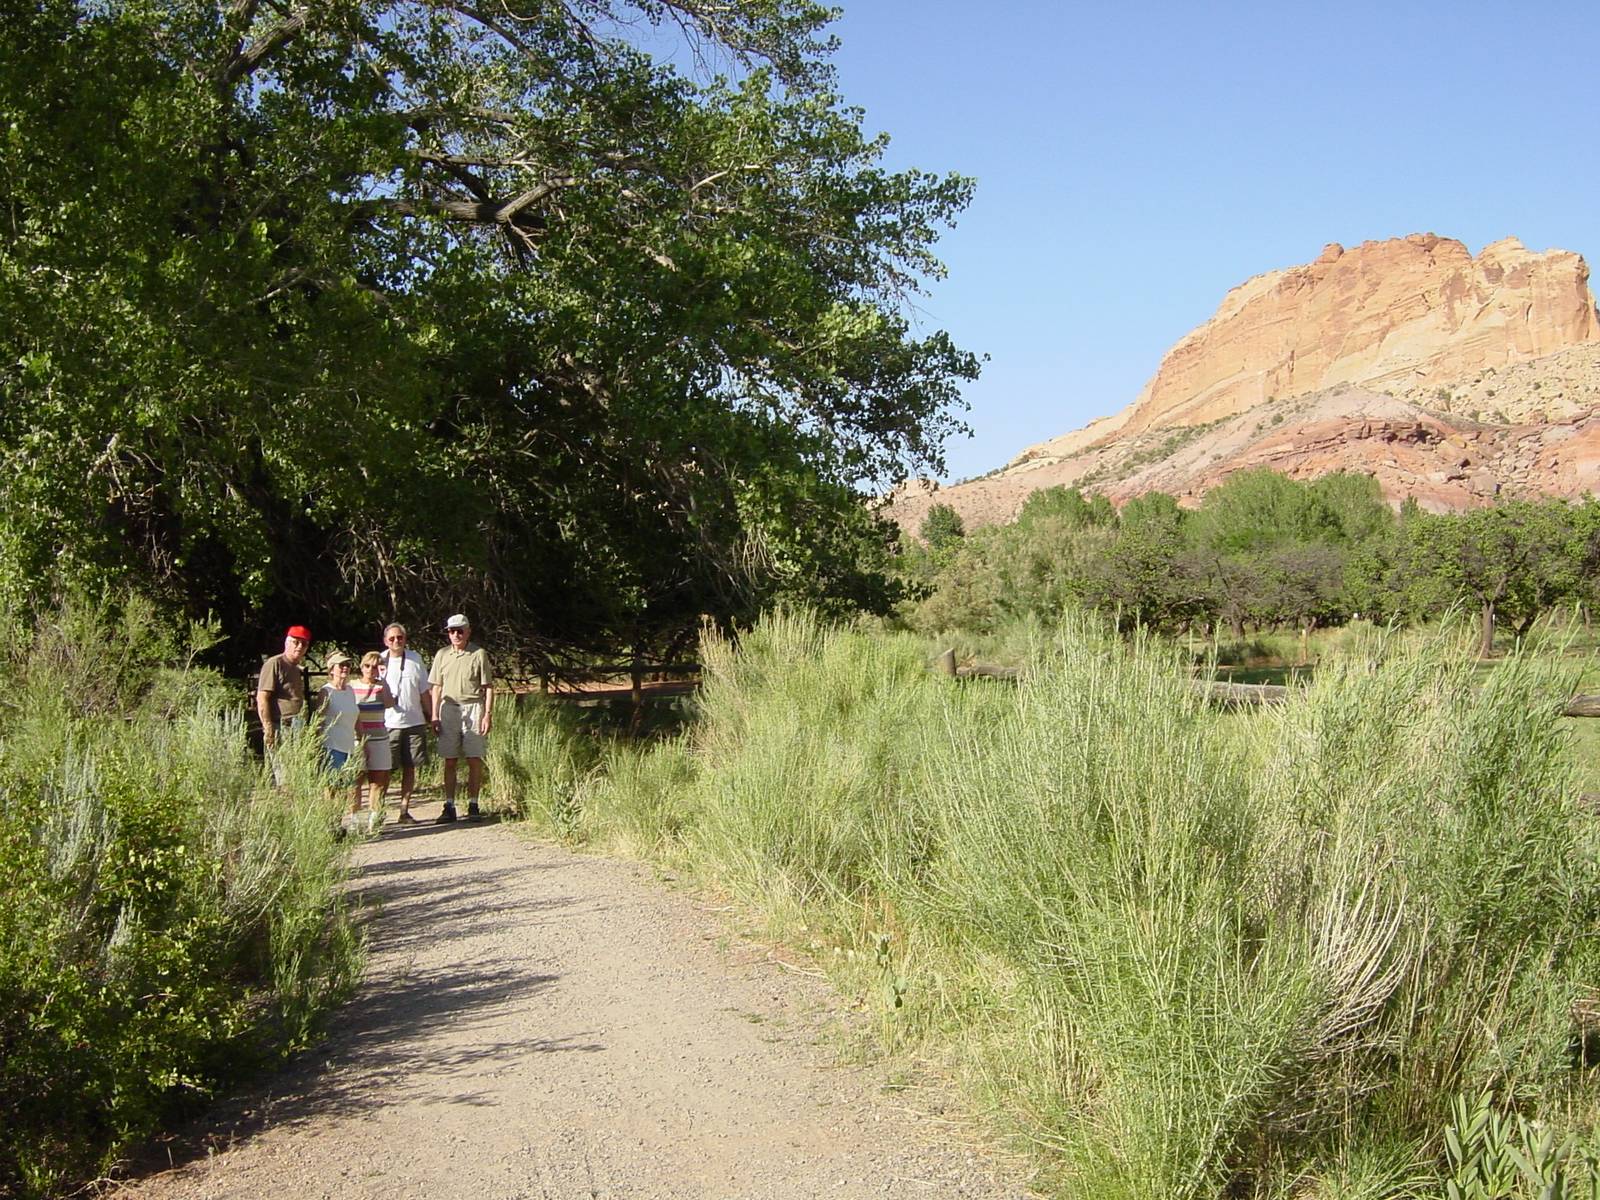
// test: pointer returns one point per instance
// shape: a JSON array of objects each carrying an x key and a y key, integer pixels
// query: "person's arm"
[
  {"x": 486, "y": 716},
  {"x": 269, "y": 728},
  {"x": 433, "y": 696},
  {"x": 425, "y": 694}
]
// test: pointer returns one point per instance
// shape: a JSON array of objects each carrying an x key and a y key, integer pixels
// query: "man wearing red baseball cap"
[{"x": 281, "y": 693}]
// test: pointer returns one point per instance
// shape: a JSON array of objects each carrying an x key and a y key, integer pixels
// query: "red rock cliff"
[{"x": 1392, "y": 314}]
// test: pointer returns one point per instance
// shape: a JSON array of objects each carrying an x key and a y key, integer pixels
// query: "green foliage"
[
  {"x": 169, "y": 919},
  {"x": 1067, "y": 507},
  {"x": 538, "y": 763},
  {"x": 1187, "y": 953},
  {"x": 942, "y": 528},
  {"x": 404, "y": 303},
  {"x": 1267, "y": 552},
  {"x": 1494, "y": 1155}
]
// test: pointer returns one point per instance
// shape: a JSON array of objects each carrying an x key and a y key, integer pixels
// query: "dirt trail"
[{"x": 537, "y": 1024}]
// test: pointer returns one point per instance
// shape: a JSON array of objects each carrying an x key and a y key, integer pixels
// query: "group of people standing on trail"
[{"x": 379, "y": 721}]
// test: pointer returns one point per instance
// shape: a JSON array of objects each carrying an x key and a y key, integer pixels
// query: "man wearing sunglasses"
[
  {"x": 463, "y": 699},
  {"x": 407, "y": 722}
]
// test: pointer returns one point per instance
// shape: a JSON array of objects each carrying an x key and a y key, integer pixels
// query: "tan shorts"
[{"x": 458, "y": 730}]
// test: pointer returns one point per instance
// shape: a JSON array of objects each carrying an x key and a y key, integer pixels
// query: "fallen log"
[
  {"x": 979, "y": 671},
  {"x": 945, "y": 664},
  {"x": 1243, "y": 695}
]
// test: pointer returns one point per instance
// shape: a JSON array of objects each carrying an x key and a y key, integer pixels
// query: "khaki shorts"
[{"x": 458, "y": 730}]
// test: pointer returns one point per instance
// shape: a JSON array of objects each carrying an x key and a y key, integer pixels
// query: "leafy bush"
[{"x": 170, "y": 918}]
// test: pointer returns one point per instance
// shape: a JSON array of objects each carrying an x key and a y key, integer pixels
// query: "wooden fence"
[{"x": 1226, "y": 695}]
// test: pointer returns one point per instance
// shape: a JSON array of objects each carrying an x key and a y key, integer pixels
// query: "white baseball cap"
[{"x": 459, "y": 621}]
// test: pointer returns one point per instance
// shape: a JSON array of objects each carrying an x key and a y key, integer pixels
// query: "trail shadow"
[
  {"x": 397, "y": 909},
  {"x": 387, "y": 1039}
]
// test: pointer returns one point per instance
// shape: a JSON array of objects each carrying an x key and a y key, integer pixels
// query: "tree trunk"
[{"x": 1486, "y": 644}]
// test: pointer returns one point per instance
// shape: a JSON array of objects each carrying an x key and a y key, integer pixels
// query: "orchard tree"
[
  {"x": 368, "y": 307},
  {"x": 1513, "y": 561},
  {"x": 1147, "y": 574}
]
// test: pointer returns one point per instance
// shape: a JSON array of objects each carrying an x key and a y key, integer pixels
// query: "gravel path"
[{"x": 538, "y": 1024}]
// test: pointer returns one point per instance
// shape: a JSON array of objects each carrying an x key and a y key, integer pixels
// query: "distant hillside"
[{"x": 1450, "y": 378}]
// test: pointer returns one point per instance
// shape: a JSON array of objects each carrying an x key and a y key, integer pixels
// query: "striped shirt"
[{"x": 370, "y": 707}]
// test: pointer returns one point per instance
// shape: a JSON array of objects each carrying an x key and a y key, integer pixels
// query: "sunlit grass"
[{"x": 1179, "y": 952}]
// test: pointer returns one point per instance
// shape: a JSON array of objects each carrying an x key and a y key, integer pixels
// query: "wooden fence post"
[{"x": 636, "y": 676}]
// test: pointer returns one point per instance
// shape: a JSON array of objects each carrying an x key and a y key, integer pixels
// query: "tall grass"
[
  {"x": 1183, "y": 953},
  {"x": 170, "y": 918}
]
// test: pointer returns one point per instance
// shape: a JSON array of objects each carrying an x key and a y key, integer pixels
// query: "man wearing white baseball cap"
[{"x": 463, "y": 701}]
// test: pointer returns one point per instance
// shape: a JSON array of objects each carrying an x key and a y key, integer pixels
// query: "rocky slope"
[{"x": 1452, "y": 378}]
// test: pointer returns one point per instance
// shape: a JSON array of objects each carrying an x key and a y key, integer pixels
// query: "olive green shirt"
[
  {"x": 285, "y": 685},
  {"x": 461, "y": 675}
]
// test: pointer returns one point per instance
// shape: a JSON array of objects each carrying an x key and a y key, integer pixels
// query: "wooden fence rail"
[{"x": 1228, "y": 695}]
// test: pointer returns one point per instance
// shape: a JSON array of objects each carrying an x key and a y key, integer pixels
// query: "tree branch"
[
  {"x": 252, "y": 56},
  {"x": 472, "y": 160}
]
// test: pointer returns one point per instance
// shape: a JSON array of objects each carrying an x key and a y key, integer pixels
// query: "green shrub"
[
  {"x": 537, "y": 764},
  {"x": 169, "y": 920}
]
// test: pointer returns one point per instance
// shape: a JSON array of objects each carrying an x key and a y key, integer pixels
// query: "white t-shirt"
[
  {"x": 339, "y": 711},
  {"x": 408, "y": 682}
]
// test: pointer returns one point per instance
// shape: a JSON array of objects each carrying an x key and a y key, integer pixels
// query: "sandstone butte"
[{"x": 1451, "y": 378}]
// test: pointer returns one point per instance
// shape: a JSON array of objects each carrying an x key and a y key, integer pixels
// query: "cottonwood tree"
[
  {"x": 359, "y": 307},
  {"x": 942, "y": 528}
]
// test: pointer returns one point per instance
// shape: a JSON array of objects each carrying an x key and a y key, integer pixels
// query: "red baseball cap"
[{"x": 301, "y": 632}]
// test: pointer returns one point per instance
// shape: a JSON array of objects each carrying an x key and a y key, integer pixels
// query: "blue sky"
[{"x": 1134, "y": 161}]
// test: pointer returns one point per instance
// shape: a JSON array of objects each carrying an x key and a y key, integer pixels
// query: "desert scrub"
[
  {"x": 538, "y": 764},
  {"x": 1182, "y": 953},
  {"x": 170, "y": 919},
  {"x": 1248, "y": 951}
]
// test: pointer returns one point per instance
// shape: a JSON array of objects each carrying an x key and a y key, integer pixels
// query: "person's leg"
[
  {"x": 357, "y": 791},
  {"x": 449, "y": 812},
  {"x": 408, "y": 783},
  {"x": 450, "y": 726},
  {"x": 332, "y": 773},
  {"x": 473, "y": 748},
  {"x": 405, "y": 751},
  {"x": 377, "y": 788}
]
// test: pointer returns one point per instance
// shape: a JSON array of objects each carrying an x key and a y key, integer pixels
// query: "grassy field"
[{"x": 1176, "y": 952}]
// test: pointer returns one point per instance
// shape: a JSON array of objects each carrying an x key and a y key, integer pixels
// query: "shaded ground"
[{"x": 536, "y": 1024}]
